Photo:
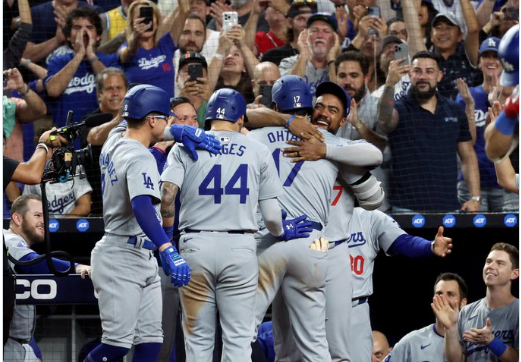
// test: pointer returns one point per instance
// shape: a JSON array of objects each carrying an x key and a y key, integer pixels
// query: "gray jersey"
[
  {"x": 128, "y": 170},
  {"x": 216, "y": 186},
  {"x": 340, "y": 213},
  {"x": 311, "y": 194},
  {"x": 505, "y": 327},
  {"x": 368, "y": 232},
  {"x": 424, "y": 345}
]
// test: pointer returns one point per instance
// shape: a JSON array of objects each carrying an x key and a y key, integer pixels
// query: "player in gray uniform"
[
  {"x": 308, "y": 187},
  {"x": 426, "y": 344},
  {"x": 219, "y": 197},
  {"x": 124, "y": 271},
  {"x": 26, "y": 229},
  {"x": 488, "y": 329}
]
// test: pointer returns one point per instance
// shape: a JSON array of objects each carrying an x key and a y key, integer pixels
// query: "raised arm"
[
  {"x": 472, "y": 38},
  {"x": 388, "y": 117},
  {"x": 304, "y": 55},
  {"x": 412, "y": 23}
]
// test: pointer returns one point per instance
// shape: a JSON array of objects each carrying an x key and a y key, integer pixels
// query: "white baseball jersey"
[
  {"x": 128, "y": 170},
  {"x": 505, "y": 327},
  {"x": 368, "y": 232},
  {"x": 310, "y": 195},
  {"x": 217, "y": 186},
  {"x": 424, "y": 345},
  {"x": 61, "y": 197}
]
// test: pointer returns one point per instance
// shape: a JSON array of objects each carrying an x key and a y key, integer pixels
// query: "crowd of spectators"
[{"x": 427, "y": 111}]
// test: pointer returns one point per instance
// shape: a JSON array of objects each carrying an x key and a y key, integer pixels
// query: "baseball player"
[
  {"x": 488, "y": 329},
  {"x": 219, "y": 198},
  {"x": 124, "y": 271},
  {"x": 426, "y": 344},
  {"x": 26, "y": 230},
  {"x": 308, "y": 187}
]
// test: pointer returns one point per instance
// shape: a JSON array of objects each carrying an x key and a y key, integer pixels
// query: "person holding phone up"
[{"x": 147, "y": 56}]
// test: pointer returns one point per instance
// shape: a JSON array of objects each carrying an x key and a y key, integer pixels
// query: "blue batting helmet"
[
  {"x": 143, "y": 99},
  {"x": 291, "y": 92},
  {"x": 225, "y": 104},
  {"x": 508, "y": 54}
]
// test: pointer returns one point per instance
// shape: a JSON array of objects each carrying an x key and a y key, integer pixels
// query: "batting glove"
[
  {"x": 175, "y": 266},
  {"x": 295, "y": 228},
  {"x": 193, "y": 138}
]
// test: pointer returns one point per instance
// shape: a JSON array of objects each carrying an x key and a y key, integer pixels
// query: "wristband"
[
  {"x": 23, "y": 93},
  {"x": 497, "y": 347},
  {"x": 505, "y": 125},
  {"x": 27, "y": 62},
  {"x": 43, "y": 146},
  {"x": 290, "y": 120}
]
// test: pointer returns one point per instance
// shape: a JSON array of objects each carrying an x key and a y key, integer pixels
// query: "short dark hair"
[
  {"x": 19, "y": 205},
  {"x": 463, "y": 290},
  {"x": 176, "y": 101},
  {"x": 429, "y": 55},
  {"x": 394, "y": 20},
  {"x": 511, "y": 250},
  {"x": 84, "y": 12},
  {"x": 100, "y": 78},
  {"x": 355, "y": 56}
]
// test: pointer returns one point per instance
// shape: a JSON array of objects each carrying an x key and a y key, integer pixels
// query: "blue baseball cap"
[
  {"x": 324, "y": 16},
  {"x": 489, "y": 44},
  {"x": 337, "y": 91}
]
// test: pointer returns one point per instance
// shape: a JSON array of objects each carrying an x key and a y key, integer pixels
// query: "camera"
[{"x": 65, "y": 160}]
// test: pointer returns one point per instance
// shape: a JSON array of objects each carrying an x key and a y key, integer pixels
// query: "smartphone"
[
  {"x": 402, "y": 51},
  {"x": 373, "y": 11},
  {"x": 195, "y": 70},
  {"x": 146, "y": 12},
  {"x": 230, "y": 19},
  {"x": 265, "y": 91}
]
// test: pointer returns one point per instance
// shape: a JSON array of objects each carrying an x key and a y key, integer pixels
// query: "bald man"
[
  {"x": 265, "y": 74},
  {"x": 380, "y": 347}
]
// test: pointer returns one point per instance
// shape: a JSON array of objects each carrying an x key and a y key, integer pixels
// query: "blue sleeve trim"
[
  {"x": 41, "y": 267},
  {"x": 147, "y": 220},
  {"x": 411, "y": 246}
]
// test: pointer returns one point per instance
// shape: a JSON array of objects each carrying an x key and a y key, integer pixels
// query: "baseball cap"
[
  {"x": 490, "y": 44},
  {"x": 298, "y": 5},
  {"x": 324, "y": 16},
  {"x": 337, "y": 91},
  {"x": 192, "y": 57},
  {"x": 447, "y": 17},
  {"x": 390, "y": 39}
]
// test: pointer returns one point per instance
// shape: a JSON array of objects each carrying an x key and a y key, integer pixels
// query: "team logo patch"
[
  {"x": 449, "y": 221},
  {"x": 82, "y": 225},
  {"x": 225, "y": 139},
  {"x": 510, "y": 220},
  {"x": 480, "y": 220},
  {"x": 418, "y": 221},
  {"x": 54, "y": 225}
]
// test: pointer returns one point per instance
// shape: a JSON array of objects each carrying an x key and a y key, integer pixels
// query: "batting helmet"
[
  {"x": 143, "y": 99},
  {"x": 291, "y": 92},
  {"x": 225, "y": 104},
  {"x": 508, "y": 54}
]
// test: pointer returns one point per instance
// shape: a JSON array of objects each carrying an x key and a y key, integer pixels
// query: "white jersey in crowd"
[
  {"x": 424, "y": 345},
  {"x": 311, "y": 194},
  {"x": 368, "y": 232},
  {"x": 217, "y": 186},
  {"x": 128, "y": 169},
  {"x": 505, "y": 327},
  {"x": 61, "y": 197}
]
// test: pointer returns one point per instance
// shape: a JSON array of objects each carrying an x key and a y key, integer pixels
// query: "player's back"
[
  {"x": 307, "y": 185},
  {"x": 221, "y": 192},
  {"x": 123, "y": 160}
]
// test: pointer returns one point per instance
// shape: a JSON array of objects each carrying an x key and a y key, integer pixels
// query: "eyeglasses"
[{"x": 160, "y": 117}]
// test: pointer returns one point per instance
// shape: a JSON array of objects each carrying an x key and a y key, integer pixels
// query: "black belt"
[
  {"x": 227, "y": 231},
  {"x": 358, "y": 300}
]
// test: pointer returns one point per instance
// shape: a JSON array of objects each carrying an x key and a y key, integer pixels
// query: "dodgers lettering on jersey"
[
  {"x": 128, "y": 170},
  {"x": 368, "y": 232},
  {"x": 424, "y": 345},
  {"x": 221, "y": 192}
]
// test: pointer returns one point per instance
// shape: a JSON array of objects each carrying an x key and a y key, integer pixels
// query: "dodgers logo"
[
  {"x": 356, "y": 239},
  {"x": 480, "y": 220},
  {"x": 54, "y": 225},
  {"x": 418, "y": 221},
  {"x": 449, "y": 221},
  {"x": 82, "y": 225},
  {"x": 510, "y": 220}
]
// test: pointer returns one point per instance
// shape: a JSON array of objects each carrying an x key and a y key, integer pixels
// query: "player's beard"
[
  {"x": 359, "y": 93},
  {"x": 31, "y": 235},
  {"x": 422, "y": 95}
]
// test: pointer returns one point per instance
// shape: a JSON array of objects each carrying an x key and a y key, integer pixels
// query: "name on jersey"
[
  {"x": 107, "y": 167},
  {"x": 83, "y": 84},
  {"x": 282, "y": 135},
  {"x": 145, "y": 63},
  {"x": 356, "y": 239},
  {"x": 58, "y": 204},
  {"x": 233, "y": 149}
]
